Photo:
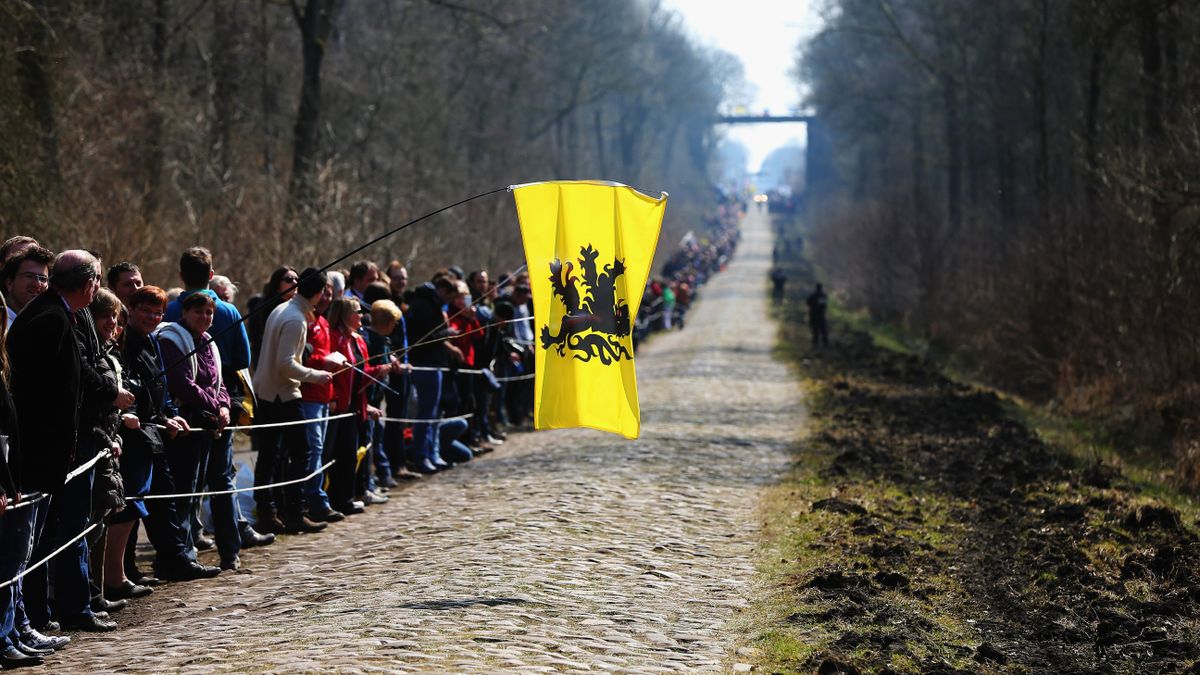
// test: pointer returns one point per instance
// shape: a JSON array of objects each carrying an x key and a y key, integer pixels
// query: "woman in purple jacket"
[{"x": 194, "y": 381}]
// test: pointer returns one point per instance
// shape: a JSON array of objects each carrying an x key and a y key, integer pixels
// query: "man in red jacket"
[{"x": 314, "y": 405}]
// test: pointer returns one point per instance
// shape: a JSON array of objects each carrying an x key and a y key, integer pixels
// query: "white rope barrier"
[
  {"x": 516, "y": 378},
  {"x": 428, "y": 421},
  {"x": 27, "y": 500},
  {"x": 254, "y": 488},
  {"x": 436, "y": 369},
  {"x": 375, "y": 379},
  {"x": 250, "y": 427},
  {"x": 469, "y": 371},
  {"x": 45, "y": 560},
  {"x": 35, "y": 497},
  {"x": 86, "y": 466}
]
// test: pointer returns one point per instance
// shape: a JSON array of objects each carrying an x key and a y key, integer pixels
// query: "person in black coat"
[
  {"x": 426, "y": 326},
  {"x": 45, "y": 385},
  {"x": 817, "y": 304},
  {"x": 15, "y": 527},
  {"x": 47, "y": 365}
]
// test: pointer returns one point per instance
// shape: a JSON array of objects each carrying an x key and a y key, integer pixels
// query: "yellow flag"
[{"x": 588, "y": 246}]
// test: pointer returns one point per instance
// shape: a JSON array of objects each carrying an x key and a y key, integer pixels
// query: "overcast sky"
[{"x": 764, "y": 35}]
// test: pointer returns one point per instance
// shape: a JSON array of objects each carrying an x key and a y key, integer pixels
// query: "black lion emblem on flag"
[{"x": 596, "y": 318}]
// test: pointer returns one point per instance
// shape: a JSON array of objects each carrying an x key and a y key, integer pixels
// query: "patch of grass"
[
  {"x": 1084, "y": 440},
  {"x": 1089, "y": 442},
  {"x": 884, "y": 336},
  {"x": 799, "y": 626},
  {"x": 785, "y": 647}
]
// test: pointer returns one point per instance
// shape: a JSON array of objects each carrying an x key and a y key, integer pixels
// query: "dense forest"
[
  {"x": 283, "y": 131},
  {"x": 1019, "y": 183}
]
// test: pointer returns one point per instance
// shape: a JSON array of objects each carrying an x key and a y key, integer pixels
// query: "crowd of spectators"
[
  {"x": 119, "y": 407},
  {"x": 669, "y": 295},
  {"x": 121, "y": 400}
]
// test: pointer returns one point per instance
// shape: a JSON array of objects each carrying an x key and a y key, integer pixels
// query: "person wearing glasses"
[
  {"x": 47, "y": 386},
  {"x": 26, "y": 276},
  {"x": 280, "y": 288}
]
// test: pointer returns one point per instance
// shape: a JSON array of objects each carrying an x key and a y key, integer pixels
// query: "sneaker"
[
  {"x": 34, "y": 639},
  {"x": 31, "y": 651},
  {"x": 371, "y": 498},
  {"x": 426, "y": 467},
  {"x": 13, "y": 658}
]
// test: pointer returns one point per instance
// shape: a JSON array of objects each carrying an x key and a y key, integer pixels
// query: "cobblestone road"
[{"x": 563, "y": 550}]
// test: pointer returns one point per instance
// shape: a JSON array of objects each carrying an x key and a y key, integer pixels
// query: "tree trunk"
[
  {"x": 1091, "y": 130},
  {"x": 33, "y": 72},
  {"x": 156, "y": 152},
  {"x": 223, "y": 90},
  {"x": 315, "y": 23},
  {"x": 1151, "y": 75},
  {"x": 1040, "y": 113},
  {"x": 953, "y": 152},
  {"x": 267, "y": 127}
]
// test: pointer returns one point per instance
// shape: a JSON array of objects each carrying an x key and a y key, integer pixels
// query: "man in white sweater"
[{"x": 283, "y": 451}]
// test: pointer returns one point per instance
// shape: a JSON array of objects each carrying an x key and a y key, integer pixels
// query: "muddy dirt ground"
[{"x": 924, "y": 530}]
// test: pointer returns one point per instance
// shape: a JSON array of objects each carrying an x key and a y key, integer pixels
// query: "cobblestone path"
[{"x": 563, "y": 550}]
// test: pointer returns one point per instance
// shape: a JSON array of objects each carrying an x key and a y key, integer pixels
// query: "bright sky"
[{"x": 764, "y": 34}]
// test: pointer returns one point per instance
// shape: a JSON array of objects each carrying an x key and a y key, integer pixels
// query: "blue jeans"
[
  {"x": 69, "y": 513},
  {"x": 164, "y": 525},
  {"x": 17, "y": 529},
  {"x": 448, "y": 435},
  {"x": 187, "y": 456},
  {"x": 429, "y": 394},
  {"x": 383, "y": 464},
  {"x": 219, "y": 477},
  {"x": 314, "y": 491}
]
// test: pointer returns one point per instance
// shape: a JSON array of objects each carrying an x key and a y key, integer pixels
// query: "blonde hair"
[
  {"x": 383, "y": 311},
  {"x": 340, "y": 309}
]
